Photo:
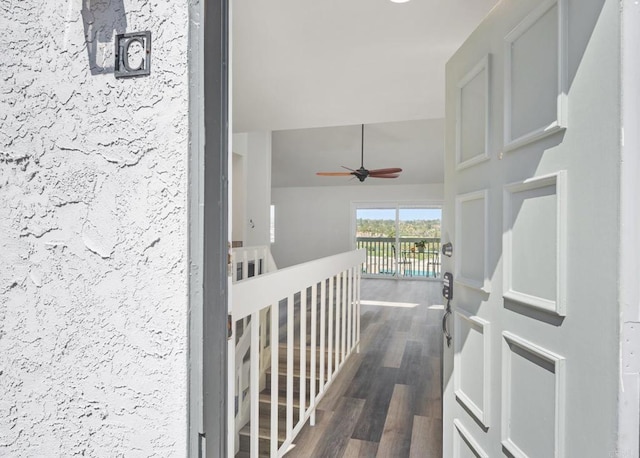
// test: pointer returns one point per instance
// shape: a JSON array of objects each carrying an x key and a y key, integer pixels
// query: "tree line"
[{"x": 387, "y": 228}]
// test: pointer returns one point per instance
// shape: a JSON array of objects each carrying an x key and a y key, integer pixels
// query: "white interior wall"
[
  {"x": 314, "y": 222},
  {"x": 258, "y": 186},
  {"x": 93, "y": 241},
  {"x": 238, "y": 198}
]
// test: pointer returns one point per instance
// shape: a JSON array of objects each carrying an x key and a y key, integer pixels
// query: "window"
[
  {"x": 272, "y": 223},
  {"x": 401, "y": 241}
]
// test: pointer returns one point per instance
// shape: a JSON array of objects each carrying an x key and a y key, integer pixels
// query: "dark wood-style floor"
[{"x": 387, "y": 400}]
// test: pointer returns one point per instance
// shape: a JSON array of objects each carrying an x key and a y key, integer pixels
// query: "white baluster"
[
  {"x": 330, "y": 330},
  {"x": 303, "y": 353},
  {"x": 323, "y": 331},
  {"x": 338, "y": 316},
  {"x": 290, "y": 334},
  {"x": 231, "y": 391},
  {"x": 275, "y": 348},
  {"x": 234, "y": 270},
  {"x": 349, "y": 310},
  {"x": 245, "y": 265},
  {"x": 343, "y": 344},
  {"x": 255, "y": 259},
  {"x": 355, "y": 306},
  {"x": 314, "y": 349},
  {"x": 254, "y": 384},
  {"x": 359, "y": 281}
]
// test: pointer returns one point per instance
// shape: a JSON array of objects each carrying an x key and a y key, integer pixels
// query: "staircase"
[
  {"x": 265, "y": 402},
  {"x": 312, "y": 312}
]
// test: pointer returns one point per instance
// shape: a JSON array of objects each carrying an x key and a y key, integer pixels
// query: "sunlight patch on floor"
[
  {"x": 436, "y": 307},
  {"x": 407, "y": 305}
]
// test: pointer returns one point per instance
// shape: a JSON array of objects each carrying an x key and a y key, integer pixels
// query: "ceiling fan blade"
[
  {"x": 362, "y": 173},
  {"x": 384, "y": 171},
  {"x": 385, "y": 175},
  {"x": 334, "y": 174}
]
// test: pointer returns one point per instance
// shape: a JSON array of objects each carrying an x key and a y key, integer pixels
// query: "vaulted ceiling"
[
  {"x": 301, "y": 64},
  {"x": 415, "y": 146}
]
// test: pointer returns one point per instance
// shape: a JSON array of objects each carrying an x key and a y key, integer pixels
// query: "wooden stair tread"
[
  {"x": 264, "y": 429},
  {"x": 296, "y": 347},
  {"x": 265, "y": 398},
  {"x": 282, "y": 371},
  {"x": 282, "y": 352}
]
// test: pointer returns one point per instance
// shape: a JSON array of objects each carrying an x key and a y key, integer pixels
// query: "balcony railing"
[{"x": 386, "y": 258}]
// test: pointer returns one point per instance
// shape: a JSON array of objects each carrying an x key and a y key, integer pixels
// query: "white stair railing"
[
  {"x": 330, "y": 289},
  {"x": 245, "y": 263}
]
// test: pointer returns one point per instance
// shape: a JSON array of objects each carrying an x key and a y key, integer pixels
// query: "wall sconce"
[{"x": 101, "y": 21}]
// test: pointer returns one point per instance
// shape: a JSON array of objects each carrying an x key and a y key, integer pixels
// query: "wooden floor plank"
[
  {"x": 396, "y": 437},
  {"x": 426, "y": 438},
  {"x": 335, "y": 439},
  {"x": 360, "y": 449},
  {"x": 360, "y": 386},
  {"x": 341, "y": 383},
  {"x": 410, "y": 367},
  {"x": 378, "y": 424},
  {"x": 393, "y": 355},
  {"x": 309, "y": 437},
  {"x": 427, "y": 397},
  {"x": 373, "y": 351},
  {"x": 403, "y": 321},
  {"x": 432, "y": 341},
  {"x": 370, "y": 425}
]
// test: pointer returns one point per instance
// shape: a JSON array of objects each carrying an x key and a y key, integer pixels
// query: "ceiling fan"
[{"x": 362, "y": 173}]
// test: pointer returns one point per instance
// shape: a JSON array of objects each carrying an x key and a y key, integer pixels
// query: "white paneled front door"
[{"x": 532, "y": 141}]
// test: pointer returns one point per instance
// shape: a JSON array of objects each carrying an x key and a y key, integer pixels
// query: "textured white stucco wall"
[{"x": 93, "y": 231}]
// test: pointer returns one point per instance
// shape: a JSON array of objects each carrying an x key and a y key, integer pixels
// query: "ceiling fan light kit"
[{"x": 362, "y": 173}]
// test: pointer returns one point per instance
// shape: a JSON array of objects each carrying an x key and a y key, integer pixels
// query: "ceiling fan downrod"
[
  {"x": 361, "y": 174},
  {"x": 362, "y": 151}
]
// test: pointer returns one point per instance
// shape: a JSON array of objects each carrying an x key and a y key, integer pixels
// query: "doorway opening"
[{"x": 401, "y": 241}]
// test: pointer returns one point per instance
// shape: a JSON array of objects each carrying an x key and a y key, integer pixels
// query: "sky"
[{"x": 406, "y": 214}]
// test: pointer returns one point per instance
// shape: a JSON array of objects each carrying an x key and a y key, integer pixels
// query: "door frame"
[
  {"x": 208, "y": 214},
  {"x": 208, "y": 232},
  {"x": 629, "y": 263}
]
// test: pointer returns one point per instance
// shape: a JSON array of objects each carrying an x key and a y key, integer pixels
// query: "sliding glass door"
[{"x": 401, "y": 241}]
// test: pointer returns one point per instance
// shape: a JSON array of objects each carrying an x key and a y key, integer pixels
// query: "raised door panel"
[
  {"x": 464, "y": 444},
  {"x": 473, "y": 363},
  {"x": 534, "y": 242},
  {"x": 473, "y": 117},
  {"x": 535, "y": 75},
  {"x": 472, "y": 240},
  {"x": 533, "y": 402}
]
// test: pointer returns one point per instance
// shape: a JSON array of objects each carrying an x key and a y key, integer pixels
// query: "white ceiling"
[
  {"x": 302, "y": 63},
  {"x": 313, "y": 71}
]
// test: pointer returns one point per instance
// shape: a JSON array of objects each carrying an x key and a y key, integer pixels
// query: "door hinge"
[
  {"x": 229, "y": 327},
  {"x": 229, "y": 263}
]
